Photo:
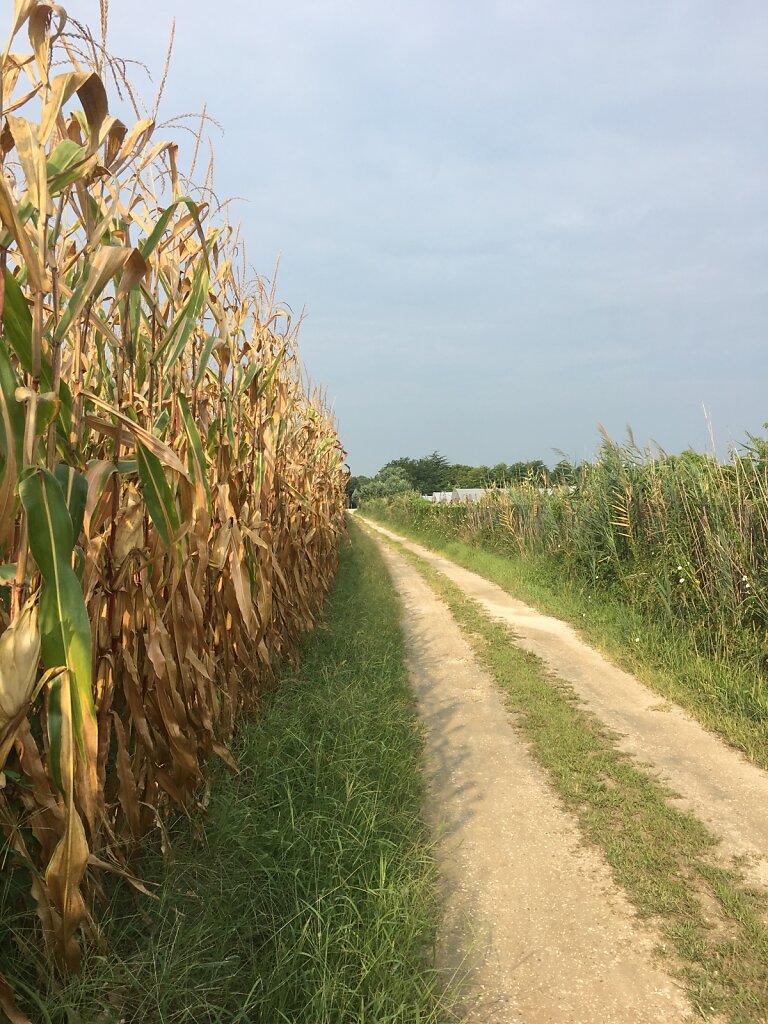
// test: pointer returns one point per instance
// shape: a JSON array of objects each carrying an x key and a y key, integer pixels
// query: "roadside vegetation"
[
  {"x": 661, "y": 561},
  {"x": 435, "y": 473},
  {"x": 713, "y": 927},
  {"x": 308, "y": 892}
]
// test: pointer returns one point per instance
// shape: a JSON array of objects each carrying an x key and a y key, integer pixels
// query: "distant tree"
[
  {"x": 407, "y": 465},
  {"x": 353, "y": 484},
  {"x": 564, "y": 473},
  {"x": 428, "y": 474},
  {"x": 433, "y": 473},
  {"x": 470, "y": 476},
  {"x": 537, "y": 471},
  {"x": 389, "y": 480},
  {"x": 499, "y": 474}
]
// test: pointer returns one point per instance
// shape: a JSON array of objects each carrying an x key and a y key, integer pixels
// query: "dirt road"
[
  {"x": 715, "y": 782},
  {"x": 533, "y": 915}
]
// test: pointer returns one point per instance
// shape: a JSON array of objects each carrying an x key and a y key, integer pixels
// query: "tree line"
[{"x": 435, "y": 473}]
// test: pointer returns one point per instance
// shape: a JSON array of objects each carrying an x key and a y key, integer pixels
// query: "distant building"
[
  {"x": 441, "y": 497},
  {"x": 466, "y": 495},
  {"x": 551, "y": 490}
]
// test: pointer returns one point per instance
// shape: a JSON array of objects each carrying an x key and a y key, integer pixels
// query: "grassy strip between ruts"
[
  {"x": 713, "y": 927},
  {"x": 310, "y": 894},
  {"x": 660, "y": 653}
]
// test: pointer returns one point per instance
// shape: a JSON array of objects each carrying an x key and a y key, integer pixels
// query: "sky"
[{"x": 507, "y": 222}]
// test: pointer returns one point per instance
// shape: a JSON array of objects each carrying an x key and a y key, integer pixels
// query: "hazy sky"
[{"x": 507, "y": 221}]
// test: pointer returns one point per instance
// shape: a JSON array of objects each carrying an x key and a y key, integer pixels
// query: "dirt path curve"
[
  {"x": 715, "y": 782},
  {"x": 532, "y": 913}
]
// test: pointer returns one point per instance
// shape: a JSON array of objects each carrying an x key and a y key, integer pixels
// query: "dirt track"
[
  {"x": 714, "y": 781},
  {"x": 533, "y": 915}
]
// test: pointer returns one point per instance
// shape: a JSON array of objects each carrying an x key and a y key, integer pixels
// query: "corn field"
[{"x": 171, "y": 489}]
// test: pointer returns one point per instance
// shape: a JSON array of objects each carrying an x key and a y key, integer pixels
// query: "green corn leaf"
[
  {"x": 54, "y": 729},
  {"x": 11, "y": 445},
  {"x": 134, "y": 321},
  {"x": 178, "y": 334},
  {"x": 7, "y": 574},
  {"x": 17, "y": 323},
  {"x": 205, "y": 357},
  {"x": 66, "y": 164},
  {"x": 212, "y": 439},
  {"x": 150, "y": 244},
  {"x": 198, "y": 467},
  {"x": 74, "y": 486},
  {"x": 247, "y": 377},
  {"x": 64, "y": 627},
  {"x": 229, "y": 423},
  {"x": 259, "y": 470},
  {"x": 48, "y": 408},
  {"x": 65, "y": 155},
  {"x": 161, "y": 422},
  {"x": 13, "y": 412},
  {"x": 267, "y": 382},
  {"x": 157, "y": 494}
]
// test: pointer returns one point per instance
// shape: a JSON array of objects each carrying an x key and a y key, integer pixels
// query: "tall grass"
[
  {"x": 309, "y": 892},
  {"x": 681, "y": 540}
]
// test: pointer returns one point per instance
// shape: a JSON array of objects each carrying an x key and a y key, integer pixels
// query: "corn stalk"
[{"x": 171, "y": 492}]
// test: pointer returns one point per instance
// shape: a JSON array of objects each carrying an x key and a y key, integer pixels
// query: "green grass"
[
  {"x": 713, "y": 927},
  {"x": 309, "y": 894},
  {"x": 664, "y": 655}
]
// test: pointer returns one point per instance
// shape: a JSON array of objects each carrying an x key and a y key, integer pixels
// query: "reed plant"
[
  {"x": 171, "y": 487},
  {"x": 681, "y": 539}
]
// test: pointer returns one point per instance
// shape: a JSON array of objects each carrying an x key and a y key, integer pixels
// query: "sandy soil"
[
  {"x": 714, "y": 781},
  {"x": 534, "y": 923}
]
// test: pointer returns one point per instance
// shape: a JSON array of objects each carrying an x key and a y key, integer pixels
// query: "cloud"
[{"x": 553, "y": 212}]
